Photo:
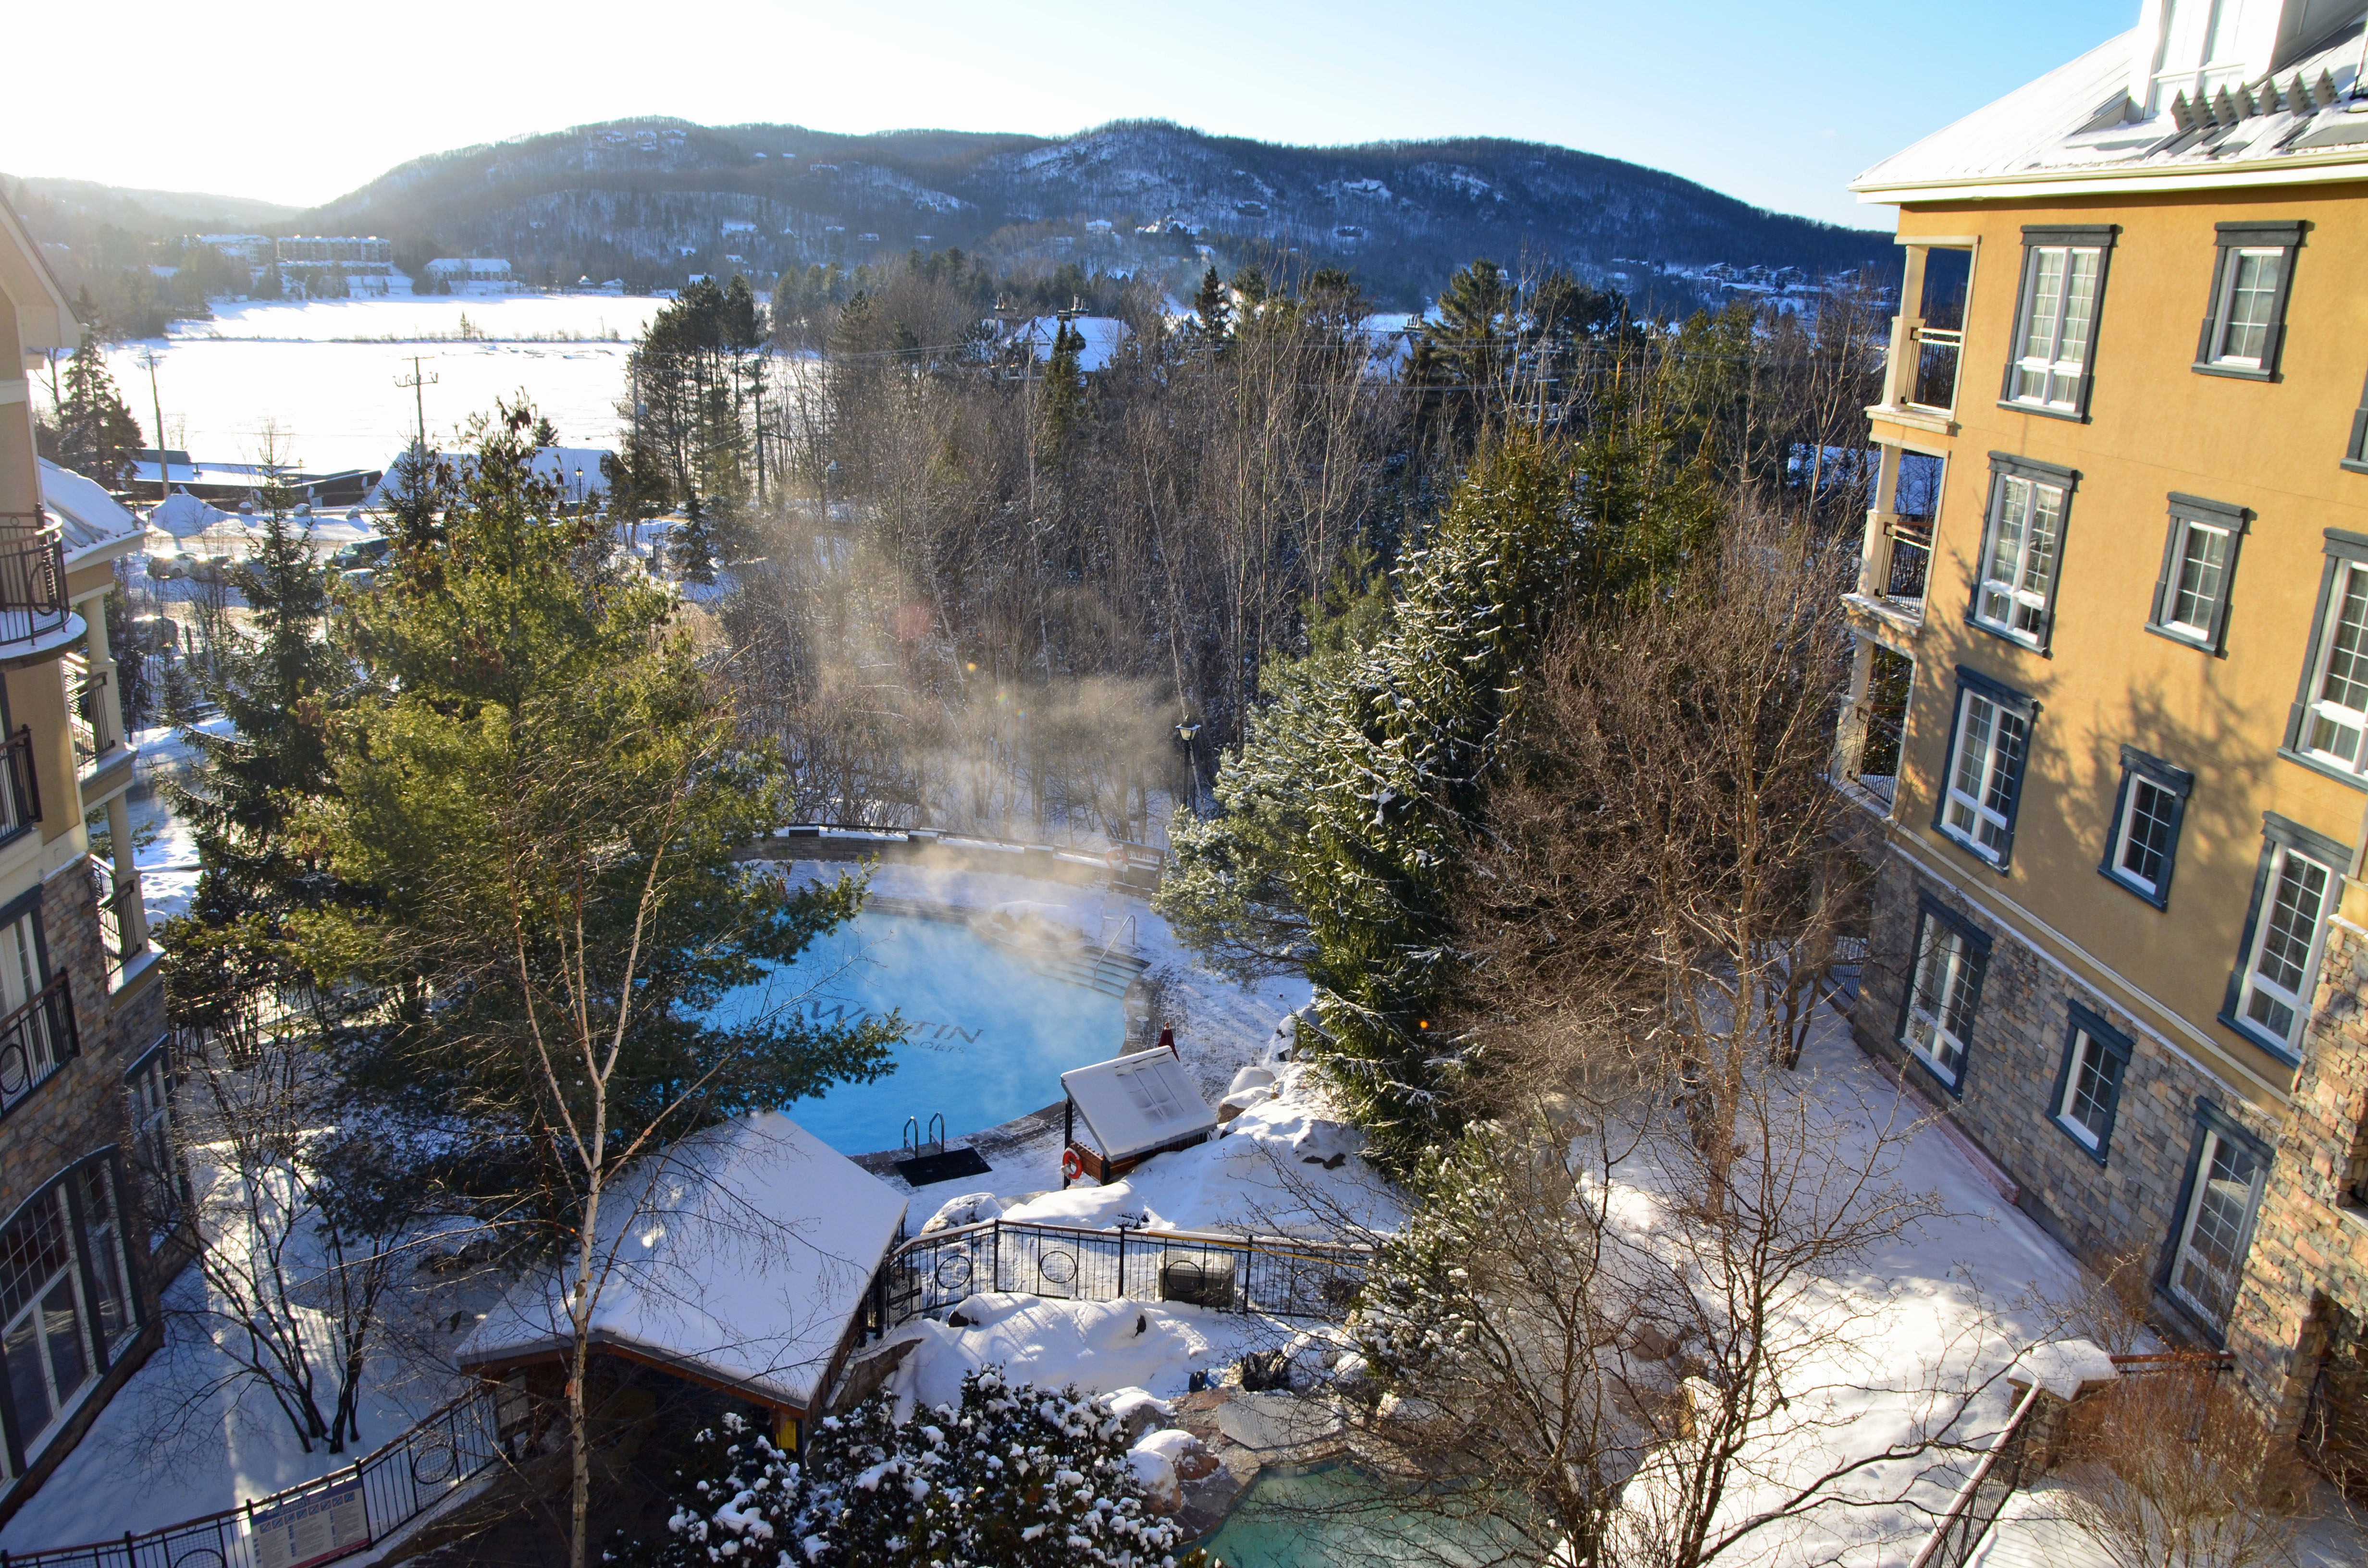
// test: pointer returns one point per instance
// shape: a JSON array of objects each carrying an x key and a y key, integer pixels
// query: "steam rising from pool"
[{"x": 987, "y": 1036}]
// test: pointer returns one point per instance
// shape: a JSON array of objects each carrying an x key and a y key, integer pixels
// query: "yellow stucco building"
[{"x": 2110, "y": 698}]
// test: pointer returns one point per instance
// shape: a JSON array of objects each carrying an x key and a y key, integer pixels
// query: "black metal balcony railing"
[
  {"x": 113, "y": 901},
  {"x": 21, "y": 797},
  {"x": 1936, "y": 353},
  {"x": 35, "y": 1042},
  {"x": 1911, "y": 559},
  {"x": 92, "y": 732},
  {"x": 32, "y": 578}
]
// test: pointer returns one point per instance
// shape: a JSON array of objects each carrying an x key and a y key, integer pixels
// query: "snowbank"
[
  {"x": 1287, "y": 1165},
  {"x": 1101, "y": 1347}
]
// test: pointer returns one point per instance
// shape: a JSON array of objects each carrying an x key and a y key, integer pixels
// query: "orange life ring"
[{"x": 1072, "y": 1167}]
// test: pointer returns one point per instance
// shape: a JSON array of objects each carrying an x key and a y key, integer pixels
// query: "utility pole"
[
  {"x": 156, "y": 402},
  {"x": 756, "y": 379},
  {"x": 417, "y": 382}
]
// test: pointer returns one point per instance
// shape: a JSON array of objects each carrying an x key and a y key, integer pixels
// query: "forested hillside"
[{"x": 650, "y": 201}]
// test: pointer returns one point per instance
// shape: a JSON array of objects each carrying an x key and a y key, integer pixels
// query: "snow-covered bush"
[
  {"x": 1011, "y": 1476},
  {"x": 734, "y": 1501}
]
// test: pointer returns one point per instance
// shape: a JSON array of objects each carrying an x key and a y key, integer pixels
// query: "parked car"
[{"x": 361, "y": 554}]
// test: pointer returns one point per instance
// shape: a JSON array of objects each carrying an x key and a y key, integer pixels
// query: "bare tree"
[{"x": 2174, "y": 1469}]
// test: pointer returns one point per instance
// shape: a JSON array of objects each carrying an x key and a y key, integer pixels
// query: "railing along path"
[
  {"x": 1275, "y": 1275},
  {"x": 363, "y": 1504}
]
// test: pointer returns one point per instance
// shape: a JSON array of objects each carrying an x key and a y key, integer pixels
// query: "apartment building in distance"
[{"x": 91, "y": 1199}]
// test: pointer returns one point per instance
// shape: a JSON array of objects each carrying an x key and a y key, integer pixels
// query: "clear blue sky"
[{"x": 299, "y": 101}]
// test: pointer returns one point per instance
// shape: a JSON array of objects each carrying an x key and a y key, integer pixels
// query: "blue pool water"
[
  {"x": 988, "y": 1038},
  {"x": 1335, "y": 1516}
]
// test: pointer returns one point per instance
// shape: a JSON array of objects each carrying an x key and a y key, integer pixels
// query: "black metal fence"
[
  {"x": 1230, "y": 1274},
  {"x": 363, "y": 1504},
  {"x": 1984, "y": 1496}
]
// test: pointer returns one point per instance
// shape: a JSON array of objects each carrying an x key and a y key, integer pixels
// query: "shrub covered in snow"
[
  {"x": 734, "y": 1501},
  {"x": 1011, "y": 1476}
]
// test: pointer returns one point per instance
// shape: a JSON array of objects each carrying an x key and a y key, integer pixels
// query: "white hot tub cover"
[
  {"x": 1134, "y": 1104},
  {"x": 741, "y": 1255}
]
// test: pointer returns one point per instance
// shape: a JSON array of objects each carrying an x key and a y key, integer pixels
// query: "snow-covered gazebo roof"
[
  {"x": 742, "y": 1257},
  {"x": 1134, "y": 1104}
]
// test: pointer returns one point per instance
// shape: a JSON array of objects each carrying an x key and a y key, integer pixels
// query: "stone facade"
[
  {"x": 2005, "y": 1099},
  {"x": 2309, "y": 1266}
]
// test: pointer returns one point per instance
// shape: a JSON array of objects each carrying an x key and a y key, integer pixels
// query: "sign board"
[{"x": 313, "y": 1529}]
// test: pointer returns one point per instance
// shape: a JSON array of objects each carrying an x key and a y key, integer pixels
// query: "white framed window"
[
  {"x": 2253, "y": 276},
  {"x": 2056, "y": 322},
  {"x": 2199, "y": 561},
  {"x": 1984, "y": 772},
  {"x": 2215, "y": 1225},
  {"x": 2022, "y": 541},
  {"x": 1944, "y": 985},
  {"x": 2334, "y": 710},
  {"x": 2269, "y": 995},
  {"x": 2143, "y": 846},
  {"x": 2088, "y": 1085},
  {"x": 35, "y": 1034},
  {"x": 2247, "y": 307}
]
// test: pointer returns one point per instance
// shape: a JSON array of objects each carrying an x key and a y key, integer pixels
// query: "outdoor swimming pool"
[
  {"x": 1335, "y": 1516},
  {"x": 987, "y": 1036}
]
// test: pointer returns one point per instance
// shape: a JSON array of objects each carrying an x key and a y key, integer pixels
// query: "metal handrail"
[
  {"x": 396, "y": 1484},
  {"x": 1279, "y": 1275},
  {"x": 36, "y": 1040},
  {"x": 32, "y": 580},
  {"x": 1979, "y": 1501}
]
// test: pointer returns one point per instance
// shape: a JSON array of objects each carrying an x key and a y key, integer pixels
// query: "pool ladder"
[{"x": 914, "y": 1146}]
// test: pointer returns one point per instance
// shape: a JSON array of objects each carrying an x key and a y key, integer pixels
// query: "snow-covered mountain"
[{"x": 651, "y": 201}]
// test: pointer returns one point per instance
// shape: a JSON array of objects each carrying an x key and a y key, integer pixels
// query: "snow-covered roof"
[
  {"x": 558, "y": 465},
  {"x": 92, "y": 524},
  {"x": 742, "y": 1257},
  {"x": 2114, "y": 120},
  {"x": 1137, "y": 1103}
]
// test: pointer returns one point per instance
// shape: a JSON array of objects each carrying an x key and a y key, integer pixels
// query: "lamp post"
[{"x": 1185, "y": 731}]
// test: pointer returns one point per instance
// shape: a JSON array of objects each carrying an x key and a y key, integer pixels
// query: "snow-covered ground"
[
  {"x": 167, "y": 862},
  {"x": 325, "y": 372},
  {"x": 1950, "y": 1301}
]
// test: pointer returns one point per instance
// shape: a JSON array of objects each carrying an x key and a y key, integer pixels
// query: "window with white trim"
[
  {"x": 2334, "y": 710},
  {"x": 2088, "y": 1085},
  {"x": 1984, "y": 771},
  {"x": 2215, "y": 1226},
  {"x": 2199, "y": 559},
  {"x": 2253, "y": 276},
  {"x": 2055, "y": 320},
  {"x": 2144, "y": 844},
  {"x": 1943, "y": 990},
  {"x": 2268, "y": 996},
  {"x": 2022, "y": 541},
  {"x": 66, "y": 1307}
]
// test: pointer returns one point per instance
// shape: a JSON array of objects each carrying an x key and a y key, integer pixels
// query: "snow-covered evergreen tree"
[
  {"x": 734, "y": 1501},
  {"x": 1348, "y": 805}
]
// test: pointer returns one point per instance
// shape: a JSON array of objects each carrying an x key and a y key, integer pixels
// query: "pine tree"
[
  {"x": 1065, "y": 393},
  {"x": 694, "y": 544},
  {"x": 97, "y": 437},
  {"x": 1215, "y": 308},
  {"x": 1348, "y": 804}
]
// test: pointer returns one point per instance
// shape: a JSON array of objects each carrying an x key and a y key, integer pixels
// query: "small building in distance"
[
  {"x": 335, "y": 250},
  {"x": 469, "y": 269}
]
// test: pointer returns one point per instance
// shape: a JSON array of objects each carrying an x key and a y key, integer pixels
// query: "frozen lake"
[
  {"x": 325, "y": 372},
  {"x": 988, "y": 1038}
]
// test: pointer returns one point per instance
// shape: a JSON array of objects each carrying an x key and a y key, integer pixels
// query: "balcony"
[
  {"x": 119, "y": 940},
  {"x": 94, "y": 731},
  {"x": 1938, "y": 351},
  {"x": 35, "y": 1042},
  {"x": 21, "y": 797},
  {"x": 35, "y": 616}
]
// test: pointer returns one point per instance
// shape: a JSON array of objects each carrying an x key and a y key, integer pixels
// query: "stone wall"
[
  {"x": 2310, "y": 1241},
  {"x": 82, "y": 1107},
  {"x": 2020, "y": 1026}
]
